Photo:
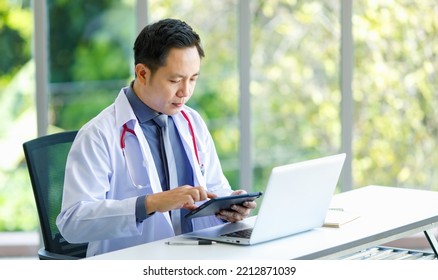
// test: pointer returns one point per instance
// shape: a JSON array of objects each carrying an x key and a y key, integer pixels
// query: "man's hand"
[
  {"x": 181, "y": 197},
  {"x": 237, "y": 212}
]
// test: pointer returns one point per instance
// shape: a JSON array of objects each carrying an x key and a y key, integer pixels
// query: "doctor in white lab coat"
[{"x": 105, "y": 187}]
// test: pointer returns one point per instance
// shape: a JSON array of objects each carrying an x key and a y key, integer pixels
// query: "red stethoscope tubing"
[
  {"x": 127, "y": 129},
  {"x": 122, "y": 137},
  {"x": 193, "y": 134}
]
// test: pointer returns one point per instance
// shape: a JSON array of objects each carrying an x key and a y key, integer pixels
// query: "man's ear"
[{"x": 143, "y": 73}]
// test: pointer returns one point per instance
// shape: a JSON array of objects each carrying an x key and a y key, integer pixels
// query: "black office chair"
[{"x": 46, "y": 158}]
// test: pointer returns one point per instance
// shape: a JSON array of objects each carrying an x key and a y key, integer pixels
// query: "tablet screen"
[{"x": 214, "y": 205}]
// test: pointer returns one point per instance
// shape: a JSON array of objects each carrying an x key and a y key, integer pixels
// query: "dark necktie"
[
  {"x": 169, "y": 165},
  {"x": 161, "y": 122}
]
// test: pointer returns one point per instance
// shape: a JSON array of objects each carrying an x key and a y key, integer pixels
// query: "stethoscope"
[{"x": 126, "y": 130}]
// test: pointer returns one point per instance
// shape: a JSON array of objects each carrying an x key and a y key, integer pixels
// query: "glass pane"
[
  {"x": 90, "y": 57},
  {"x": 295, "y": 82},
  {"x": 217, "y": 92},
  {"x": 395, "y": 91},
  {"x": 17, "y": 116}
]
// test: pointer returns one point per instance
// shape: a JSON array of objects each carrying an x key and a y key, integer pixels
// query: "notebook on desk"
[{"x": 296, "y": 199}]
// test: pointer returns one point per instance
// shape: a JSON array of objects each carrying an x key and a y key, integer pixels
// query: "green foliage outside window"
[
  {"x": 17, "y": 116},
  {"x": 395, "y": 90}
]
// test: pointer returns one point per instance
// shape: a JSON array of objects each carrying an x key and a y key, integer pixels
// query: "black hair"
[{"x": 154, "y": 42}]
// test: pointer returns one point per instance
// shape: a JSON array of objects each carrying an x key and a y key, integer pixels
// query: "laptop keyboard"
[{"x": 246, "y": 233}]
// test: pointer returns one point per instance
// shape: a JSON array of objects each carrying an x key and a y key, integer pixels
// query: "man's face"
[{"x": 172, "y": 84}]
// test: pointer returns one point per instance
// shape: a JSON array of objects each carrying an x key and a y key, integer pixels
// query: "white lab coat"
[{"x": 99, "y": 197}]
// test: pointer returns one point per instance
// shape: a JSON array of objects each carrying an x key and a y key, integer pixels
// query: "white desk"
[{"x": 387, "y": 214}]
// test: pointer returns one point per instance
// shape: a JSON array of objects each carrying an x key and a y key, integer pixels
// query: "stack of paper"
[{"x": 336, "y": 217}]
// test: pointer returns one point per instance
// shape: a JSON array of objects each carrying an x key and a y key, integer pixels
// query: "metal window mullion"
[
  {"x": 244, "y": 19},
  {"x": 141, "y": 20},
  {"x": 40, "y": 49},
  {"x": 346, "y": 92},
  {"x": 141, "y": 14}
]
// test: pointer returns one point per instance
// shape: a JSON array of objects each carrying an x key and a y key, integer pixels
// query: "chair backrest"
[{"x": 46, "y": 158}]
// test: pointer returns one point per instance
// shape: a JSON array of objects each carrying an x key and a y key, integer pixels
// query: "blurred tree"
[
  {"x": 14, "y": 44},
  {"x": 71, "y": 24},
  {"x": 295, "y": 82},
  {"x": 90, "y": 62},
  {"x": 17, "y": 115},
  {"x": 395, "y": 86}
]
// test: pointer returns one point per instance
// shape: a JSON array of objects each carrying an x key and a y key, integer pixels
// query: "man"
[{"x": 123, "y": 185}]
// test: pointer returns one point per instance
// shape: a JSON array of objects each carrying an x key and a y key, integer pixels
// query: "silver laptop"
[{"x": 296, "y": 199}]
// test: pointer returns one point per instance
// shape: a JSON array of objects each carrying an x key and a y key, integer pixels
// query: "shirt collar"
[{"x": 143, "y": 112}]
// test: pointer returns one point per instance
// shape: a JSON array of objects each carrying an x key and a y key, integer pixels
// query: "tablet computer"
[{"x": 214, "y": 205}]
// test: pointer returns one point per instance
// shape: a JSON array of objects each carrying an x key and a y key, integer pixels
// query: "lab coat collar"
[{"x": 123, "y": 110}]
